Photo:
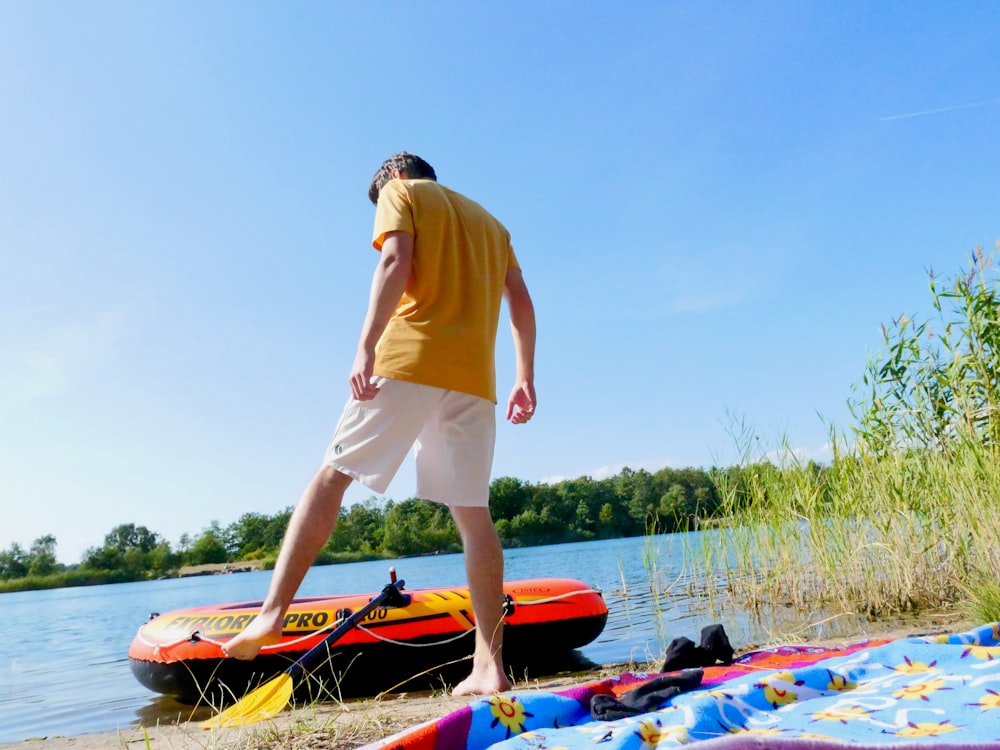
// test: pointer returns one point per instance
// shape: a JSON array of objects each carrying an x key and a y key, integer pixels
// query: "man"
[{"x": 423, "y": 377}]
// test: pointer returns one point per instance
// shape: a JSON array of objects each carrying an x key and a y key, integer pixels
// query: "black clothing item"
[
  {"x": 715, "y": 647},
  {"x": 682, "y": 654},
  {"x": 647, "y": 697}
]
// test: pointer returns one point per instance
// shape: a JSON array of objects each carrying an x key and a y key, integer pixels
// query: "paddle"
[{"x": 271, "y": 698}]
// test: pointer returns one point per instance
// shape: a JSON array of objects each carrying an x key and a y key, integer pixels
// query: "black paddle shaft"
[{"x": 391, "y": 596}]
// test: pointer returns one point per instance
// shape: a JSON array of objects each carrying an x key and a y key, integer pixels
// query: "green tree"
[
  {"x": 555, "y": 505},
  {"x": 675, "y": 508},
  {"x": 343, "y": 537},
  {"x": 635, "y": 488},
  {"x": 415, "y": 527},
  {"x": 255, "y": 535},
  {"x": 503, "y": 527},
  {"x": 127, "y": 548},
  {"x": 129, "y": 536},
  {"x": 401, "y": 533},
  {"x": 367, "y": 520},
  {"x": 162, "y": 559},
  {"x": 606, "y": 520},
  {"x": 531, "y": 528},
  {"x": 508, "y": 497},
  {"x": 209, "y": 547},
  {"x": 42, "y": 556},
  {"x": 13, "y": 563}
]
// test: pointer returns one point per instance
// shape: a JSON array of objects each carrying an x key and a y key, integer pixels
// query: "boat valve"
[{"x": 508, "y": 605}]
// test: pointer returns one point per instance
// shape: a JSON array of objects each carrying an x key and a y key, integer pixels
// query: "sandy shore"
[
  {"x": 330, "y": 725},
  {"x": 342, "y": 726}
]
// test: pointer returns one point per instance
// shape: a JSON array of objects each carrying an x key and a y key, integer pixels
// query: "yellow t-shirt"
[{"x": 443, "y": 332}]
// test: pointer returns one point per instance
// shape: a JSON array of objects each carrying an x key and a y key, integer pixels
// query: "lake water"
[{"x": 63, "y": 656}]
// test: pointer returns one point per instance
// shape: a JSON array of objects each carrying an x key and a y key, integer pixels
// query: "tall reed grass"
[{"x": 907, "y": 515}]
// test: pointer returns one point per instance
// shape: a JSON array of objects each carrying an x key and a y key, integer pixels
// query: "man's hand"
[
  {"x": 361, "y": 376},
  {"x": 521, "y": 404}
]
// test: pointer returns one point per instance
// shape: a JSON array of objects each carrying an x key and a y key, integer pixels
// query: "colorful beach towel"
[{"x": 925, "y": 692}]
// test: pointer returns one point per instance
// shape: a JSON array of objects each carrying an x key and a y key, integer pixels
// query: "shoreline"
[
  {"x": 338, "y": 726},
  {"x": 330, "y": 725}
]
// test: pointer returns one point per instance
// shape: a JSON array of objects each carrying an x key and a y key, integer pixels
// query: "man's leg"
[
  {"x": 484, "y": 569},
  {"x": 308, "y": 530}
]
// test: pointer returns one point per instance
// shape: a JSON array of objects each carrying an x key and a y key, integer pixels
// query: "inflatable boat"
[{"x": 422, "y": 643}]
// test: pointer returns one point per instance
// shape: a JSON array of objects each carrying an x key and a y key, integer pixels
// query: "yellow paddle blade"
[{"x": 266, "y": 702}]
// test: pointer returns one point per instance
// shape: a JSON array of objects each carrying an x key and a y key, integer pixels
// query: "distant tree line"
[{"x": 632, "y": 503}]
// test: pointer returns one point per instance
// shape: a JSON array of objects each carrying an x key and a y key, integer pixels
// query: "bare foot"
[
  {"x": 483, "y": 682},
  {"x": 261, "y": 631}
]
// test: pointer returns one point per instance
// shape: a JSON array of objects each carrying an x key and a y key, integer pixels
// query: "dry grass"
[{"x": 340, "y": 725}]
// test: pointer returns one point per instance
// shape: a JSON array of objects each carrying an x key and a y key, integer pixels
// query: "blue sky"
[{"x": 716, "y": 204}]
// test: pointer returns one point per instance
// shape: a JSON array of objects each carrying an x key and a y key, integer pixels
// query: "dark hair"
[{"x": 411, "y": 165}]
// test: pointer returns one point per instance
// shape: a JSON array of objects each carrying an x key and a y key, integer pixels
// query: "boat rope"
[
  {"x": 378, "y": 637},
  {"x": 157, "y": 647},
  {"x": 196, "y": 635},
  {"x": 557, "y": 597}
]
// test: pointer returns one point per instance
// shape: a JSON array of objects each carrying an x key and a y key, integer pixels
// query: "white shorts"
[{"x": 452, "y": 435}]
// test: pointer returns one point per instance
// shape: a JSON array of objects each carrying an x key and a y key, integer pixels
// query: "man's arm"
[
  {"x": 521, "y": 404},
  {"x": 388, "y": 285}
]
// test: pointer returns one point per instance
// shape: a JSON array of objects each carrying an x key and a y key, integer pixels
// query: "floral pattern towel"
[{"x": 925, "y": 692}]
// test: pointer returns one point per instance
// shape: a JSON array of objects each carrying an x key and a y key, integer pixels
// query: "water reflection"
[{"x": 165, "y": 710}]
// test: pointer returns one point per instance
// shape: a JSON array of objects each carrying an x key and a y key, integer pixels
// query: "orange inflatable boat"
[{"x": 423, "y": 643}]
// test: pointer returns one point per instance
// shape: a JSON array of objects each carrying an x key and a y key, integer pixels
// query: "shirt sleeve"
[{"x": 393, "y": 212}]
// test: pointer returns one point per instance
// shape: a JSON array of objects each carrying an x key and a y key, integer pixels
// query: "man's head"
[{"x": 407, "y": 165}]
